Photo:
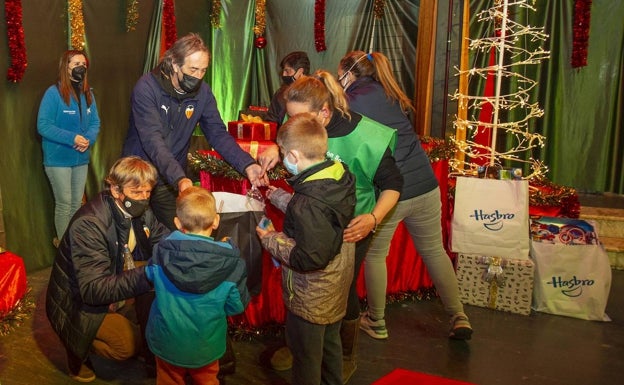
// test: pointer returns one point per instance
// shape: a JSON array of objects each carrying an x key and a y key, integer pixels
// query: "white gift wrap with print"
[{"x": 497, "y": 283}]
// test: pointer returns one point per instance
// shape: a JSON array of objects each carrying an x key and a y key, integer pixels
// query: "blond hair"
[
  {"x": 317, "y": 91},
  {"x": 305, "y": 134},
  {"x": 196, "y": 209},
  {"x": 377, "y": 66},
  {"x": 132, "y": 171}
]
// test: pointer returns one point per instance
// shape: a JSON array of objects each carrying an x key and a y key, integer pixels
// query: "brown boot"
[{"x": 349, "y": 330}]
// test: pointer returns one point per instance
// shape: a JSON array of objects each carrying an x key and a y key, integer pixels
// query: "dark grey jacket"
[
  {"x": 367, "y": 97},
  {"x": 87, "y": 274}
]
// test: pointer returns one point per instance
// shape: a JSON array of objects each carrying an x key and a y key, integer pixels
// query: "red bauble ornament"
[{"x": 260, "y": 42}]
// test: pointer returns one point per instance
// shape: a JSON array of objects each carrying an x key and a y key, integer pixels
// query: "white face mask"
[
  {"x": 344, "y": 75},
  {"x": 344, "y": 85}
]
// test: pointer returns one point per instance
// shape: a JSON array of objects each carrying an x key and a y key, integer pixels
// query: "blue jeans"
[
  {"x": 68, "y": 185},
  {"x": 421, "y": 215}
]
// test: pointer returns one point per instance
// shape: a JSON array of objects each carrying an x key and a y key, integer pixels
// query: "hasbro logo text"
[
  {"x": 572, "y": 287},
  {"x": 492, "y": 221}
]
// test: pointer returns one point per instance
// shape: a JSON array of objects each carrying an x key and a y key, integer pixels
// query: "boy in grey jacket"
[{"x": 317, "y": 266}]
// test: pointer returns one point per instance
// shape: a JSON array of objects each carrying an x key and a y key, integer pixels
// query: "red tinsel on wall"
[
  {"x": 169, "y": 24},
  {"x": 15, "y": 37},
  {"x": 580, "y": 33},
  {"x": 319, "y": 25}
]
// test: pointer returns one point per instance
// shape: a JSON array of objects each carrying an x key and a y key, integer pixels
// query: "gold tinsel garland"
[
  {"x": 132, "y": 15},
  {"x": 202, "y": 161},
  {"x": 215, "y": 14},
  {"x": 379, "y": 8},
  {"x": 260, "y": 18},
  {"x": 438, "y": 149},
  {"x": 76, "y": 23},
  {"x": 17, "y": 315}
]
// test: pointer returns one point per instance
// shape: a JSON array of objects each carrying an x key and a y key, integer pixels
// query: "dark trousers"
[
  {"x": 316, "y": 350},
  {"x": 163, "y": 204},
  {"x": 353, "y": 302}
]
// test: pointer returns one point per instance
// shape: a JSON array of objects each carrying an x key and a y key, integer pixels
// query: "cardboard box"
[{"x": 496, "y": 283}]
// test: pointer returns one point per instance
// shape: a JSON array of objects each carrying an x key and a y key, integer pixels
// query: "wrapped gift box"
[
  {"x": 255, "y": 147},
  {"x": 496, "y": 283},
  {"x": 253, "y": 130}
]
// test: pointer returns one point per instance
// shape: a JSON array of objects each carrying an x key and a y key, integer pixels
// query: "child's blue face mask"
[{"x": 291, "y": 167}]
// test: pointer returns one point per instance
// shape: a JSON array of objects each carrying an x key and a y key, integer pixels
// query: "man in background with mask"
[
  {"x": 293, "y": 66},
  {"x": 89, "y": 298},
  {"x": 167, "y": 104}
]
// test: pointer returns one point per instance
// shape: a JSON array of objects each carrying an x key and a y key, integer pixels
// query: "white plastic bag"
[
  {"x": 491, "y": 217},
  {"x": 572, "y": 271}
]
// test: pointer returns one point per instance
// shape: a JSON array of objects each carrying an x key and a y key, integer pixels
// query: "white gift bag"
[
  {"x": 491, "y": 217},
  {"x": 572, "y": 271}
]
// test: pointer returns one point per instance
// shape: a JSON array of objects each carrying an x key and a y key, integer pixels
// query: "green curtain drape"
[
  {"x": 583, "y": 107},
  {"x": 239, "y": 74},
  {"x": 152, "y": 46}
]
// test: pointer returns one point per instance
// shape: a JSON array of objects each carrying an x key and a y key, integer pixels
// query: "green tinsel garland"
[
  {"x": 438, "y": 149},
  {"x": 202, "y": 161}
]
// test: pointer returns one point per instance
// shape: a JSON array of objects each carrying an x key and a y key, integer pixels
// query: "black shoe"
[{"x": 227, "y": 363}]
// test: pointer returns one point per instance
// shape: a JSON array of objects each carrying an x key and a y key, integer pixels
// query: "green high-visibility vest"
[{"x": 362, "y": 151}]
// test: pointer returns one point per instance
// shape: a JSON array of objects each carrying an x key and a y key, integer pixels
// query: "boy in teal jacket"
[{"x": 198, "y": 283}]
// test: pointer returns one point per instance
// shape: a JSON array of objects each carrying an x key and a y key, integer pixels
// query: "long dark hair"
[{"x": 64, "y": 81}]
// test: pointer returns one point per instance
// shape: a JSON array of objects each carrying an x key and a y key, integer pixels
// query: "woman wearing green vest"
[{"x": 366, "y": 147}]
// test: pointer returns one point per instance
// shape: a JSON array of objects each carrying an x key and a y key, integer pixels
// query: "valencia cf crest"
[{"x": 189, "y": 111}]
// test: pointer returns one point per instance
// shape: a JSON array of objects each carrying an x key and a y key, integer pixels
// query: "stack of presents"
[
  {"x": 511, "y": 260},
  {"x": 251, "y": 132},
  {"x": 511, "y": 253},
  {"x": 13, "y": 285}
]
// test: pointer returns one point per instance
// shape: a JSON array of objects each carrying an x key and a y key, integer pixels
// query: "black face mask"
[
  {"x": 189, "y": 83},
  {"x": 288, "y": 80},
  {"x": 78, "y": 73},
  {"x": 135, "y": 207}
]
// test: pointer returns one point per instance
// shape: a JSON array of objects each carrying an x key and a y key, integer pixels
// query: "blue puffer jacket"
[
  {"x": 367, "y": 97},
  {"x": 198, "y": 283},
  {"x": 162, "y": 124},
  {"x": 58, "y": 124}
]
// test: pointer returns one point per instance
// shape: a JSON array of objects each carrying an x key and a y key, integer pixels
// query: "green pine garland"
[{"x": 202, "y": 161}]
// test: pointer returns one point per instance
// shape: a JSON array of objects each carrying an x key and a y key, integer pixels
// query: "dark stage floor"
[{"x": 507, "y": 349}]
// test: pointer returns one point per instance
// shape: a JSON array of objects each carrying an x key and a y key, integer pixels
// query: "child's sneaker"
[
  {"x": 376, "y": 329},
  {"x": 460, "y": 327}
]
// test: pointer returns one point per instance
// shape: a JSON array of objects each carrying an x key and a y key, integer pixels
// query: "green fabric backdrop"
[
  {"x": 583, "y": 107},
  {"x": 577, "y": 124}
]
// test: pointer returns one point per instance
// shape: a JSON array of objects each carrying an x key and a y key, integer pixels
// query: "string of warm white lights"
[{"x": 515, "y": 45}]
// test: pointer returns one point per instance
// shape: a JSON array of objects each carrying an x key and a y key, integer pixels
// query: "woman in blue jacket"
[{"x": 68, "y": 122}]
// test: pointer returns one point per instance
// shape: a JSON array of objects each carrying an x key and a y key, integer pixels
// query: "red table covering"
[
  {"x": 12, "y": 281},
  {"x": 406, "y": 271}
]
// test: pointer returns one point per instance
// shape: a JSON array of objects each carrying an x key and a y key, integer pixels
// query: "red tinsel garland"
[
  {"x": 169, "y": 24},
  {"x": 319, "y": 25},
  {"x": 15, "y": 36},
  {"x": 580, "y": 33}
]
